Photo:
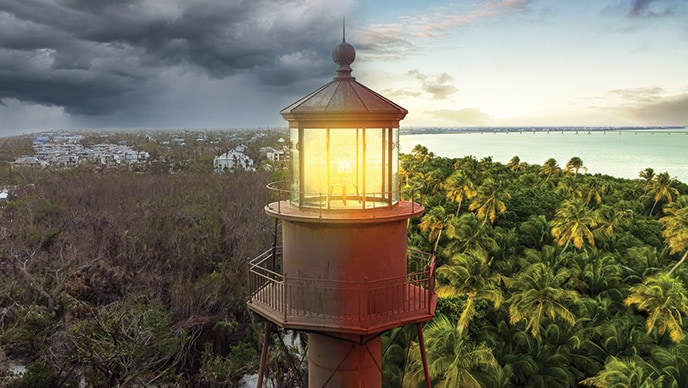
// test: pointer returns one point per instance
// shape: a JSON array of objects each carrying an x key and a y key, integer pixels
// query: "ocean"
[{"x": 619, "y": 153}]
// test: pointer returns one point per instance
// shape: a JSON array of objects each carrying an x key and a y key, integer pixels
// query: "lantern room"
[{"x": 344, "y": 143}]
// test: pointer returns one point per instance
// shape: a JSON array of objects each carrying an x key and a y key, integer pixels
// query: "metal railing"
[
  {"x": 328, "y": 201},
  {"x": 354, "y": 301}
]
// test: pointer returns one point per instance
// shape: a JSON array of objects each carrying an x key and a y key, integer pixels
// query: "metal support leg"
[
  {"x": 421, "y": 342},
  {"x": 267, "y": 327}
]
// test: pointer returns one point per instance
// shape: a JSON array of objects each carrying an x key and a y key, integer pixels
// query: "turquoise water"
[{"x": 618, "y": 153}]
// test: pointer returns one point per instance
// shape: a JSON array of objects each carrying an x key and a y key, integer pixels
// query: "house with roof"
[
  {"x": 275, "y": 155},
  {"x": 233, "y": 160}
]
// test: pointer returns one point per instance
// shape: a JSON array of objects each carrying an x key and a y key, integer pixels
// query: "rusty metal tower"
[{"x": 343, "y": 273}]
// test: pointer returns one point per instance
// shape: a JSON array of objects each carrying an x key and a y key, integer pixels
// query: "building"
[
  {"x": 67, "y": 152},
  {"x": 342, "y": 271},
  {"x": 275, "y": 155},
  {"x": 233, "y": 160}
]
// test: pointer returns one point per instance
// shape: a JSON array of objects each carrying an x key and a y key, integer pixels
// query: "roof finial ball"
[{"x": 344, "y": 55}]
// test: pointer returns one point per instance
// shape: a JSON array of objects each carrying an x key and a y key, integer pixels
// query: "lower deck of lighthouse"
[{"x": 351, "y": 307}]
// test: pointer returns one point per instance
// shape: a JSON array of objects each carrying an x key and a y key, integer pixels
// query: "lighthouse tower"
[{"x": 343, "y": 272}]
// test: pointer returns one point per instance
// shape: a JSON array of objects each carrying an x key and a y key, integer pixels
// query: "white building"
[
  {"x": 275, "y": 155},
  {"x": 233, "y": 160}
]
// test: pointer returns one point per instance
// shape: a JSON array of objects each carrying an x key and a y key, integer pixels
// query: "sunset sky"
[{"x": 236, "y": 63}]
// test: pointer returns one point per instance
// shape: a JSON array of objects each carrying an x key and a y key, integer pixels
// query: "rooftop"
[{"x": 344, "y": 102}]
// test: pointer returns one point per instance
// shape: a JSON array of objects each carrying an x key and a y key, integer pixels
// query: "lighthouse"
[{"x": 342, "y": 271}]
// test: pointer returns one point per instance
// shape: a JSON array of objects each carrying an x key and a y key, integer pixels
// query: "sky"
[{"x": 128, "y": 64}]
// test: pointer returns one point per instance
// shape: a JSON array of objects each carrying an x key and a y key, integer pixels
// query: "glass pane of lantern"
[
  {"x": 375, "y": 165},
  {"x": 346, "y": 170},
  {"x": 314, "y": 174},
  {"x": 395, "y": 165},
  {"x": 294, "y": 155}
]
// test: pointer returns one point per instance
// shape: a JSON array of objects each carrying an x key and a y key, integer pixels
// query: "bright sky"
[{"x": 236, "y": 64}]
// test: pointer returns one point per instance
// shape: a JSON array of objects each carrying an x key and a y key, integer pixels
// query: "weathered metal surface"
[{"x": 355, "y": 307}]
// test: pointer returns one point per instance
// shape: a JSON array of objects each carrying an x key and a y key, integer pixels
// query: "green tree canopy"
[{"x": 665, "y": 300}]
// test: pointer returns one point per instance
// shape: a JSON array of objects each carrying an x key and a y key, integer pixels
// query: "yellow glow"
[{"x": 344, "y": 167}]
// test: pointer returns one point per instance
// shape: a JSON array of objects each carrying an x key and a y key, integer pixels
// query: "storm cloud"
[
  {"x": 650, "y": 8},
  {"x": 93, "y": 58},
  {"x": 672, "y": 108},
  {"x": 650, "y": 105}
]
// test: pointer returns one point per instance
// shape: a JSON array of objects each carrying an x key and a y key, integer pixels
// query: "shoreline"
[{"x": 458, "y": 130}]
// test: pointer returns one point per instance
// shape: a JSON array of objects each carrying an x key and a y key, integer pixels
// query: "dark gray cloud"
[
  {"x": 94, "y": 58},
  {"x": 672, "y": 110},
  {"x": 650, "y": 8},
  {"x": 386, "y": 43},
  {"x": 650, "y": 105}
]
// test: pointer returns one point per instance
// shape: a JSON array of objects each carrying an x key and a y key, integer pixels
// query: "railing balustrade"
[
  {"x": 354, "y": 301},
  {"x": 326, "y": 201}
]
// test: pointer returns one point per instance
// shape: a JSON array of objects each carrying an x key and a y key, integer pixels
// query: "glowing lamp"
[{"x": 344, "y": 144}]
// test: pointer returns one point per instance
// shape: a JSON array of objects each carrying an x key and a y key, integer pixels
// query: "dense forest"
[
  {"x": 548, "y": 276},
  {"x": 121, "y": 278}
]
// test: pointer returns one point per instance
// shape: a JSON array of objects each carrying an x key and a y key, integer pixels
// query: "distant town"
[{"x": 221, "y": 151}]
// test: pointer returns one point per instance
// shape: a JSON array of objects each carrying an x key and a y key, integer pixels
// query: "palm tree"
[
  {"x": 665, "y": 300},
  {"x": 611, "y": 218},
  {"x": 515, "y": 164},
  {"x": 573, "y": 223},
  {"x": 620, "y": 335},
  {"x": 467, "y": 234},
  {"x": 469, "y": 164},
  {"x": 549, "y": 168},
  {"x": 430, "y": 180},
  {"x": 575, "y": 164},
  {"x": 396, "y": 344},
  {"x": 675, "y": 229},
  {"x": 626, "y": 372},
  {"x": 535, "y": 232},
  {"x": 538, "y": 295},
  {"x": 602, "y": 273},
  {"x": 647, "y": 176},
  {"x": 459, "y": 187},
  {"x": 434, "y": 222},
  {"x": 553, "y": 358},
  {"x": 453, "y": 360},
  {"x": 468, "y": 275},
  {"x": 421, "y": 154},
  {"x": 406, "y": 170},
  {"x": 642, "y": 261},
  {"x": 592, "y": 190},
  {"x": 569, "y": 187},
  {"x": 489, "y": 201},
  {"x": 661, "y": 188},
  {"x": 673, "y": 362}
]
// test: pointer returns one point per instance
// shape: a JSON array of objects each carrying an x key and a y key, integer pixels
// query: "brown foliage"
[{"x": 76, "y": 242}]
